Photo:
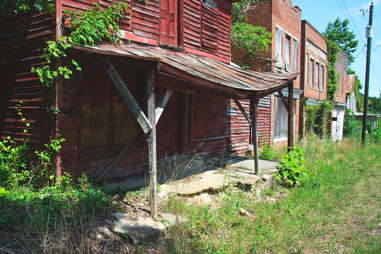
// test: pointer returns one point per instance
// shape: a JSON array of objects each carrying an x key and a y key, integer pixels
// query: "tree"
[
  {"x": 16, "y": 7},
  {"x": 339, "y": 32},
  {"x": 254, "y": 39}
]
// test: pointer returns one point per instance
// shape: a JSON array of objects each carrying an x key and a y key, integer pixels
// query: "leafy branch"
[{"x": 85, "y": 29}]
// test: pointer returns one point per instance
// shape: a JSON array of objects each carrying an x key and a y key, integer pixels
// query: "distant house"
[
  {"x": 167, "y": 89},
  {"x": 283, "y": 20},
  {"x": 313, "y": 74},
  {"x": 345, "y": 84}
]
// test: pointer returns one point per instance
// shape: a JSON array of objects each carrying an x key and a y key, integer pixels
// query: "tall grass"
[{"x": 309, "y": 220}]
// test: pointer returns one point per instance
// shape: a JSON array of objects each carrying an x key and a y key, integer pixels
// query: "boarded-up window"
[
  {"x": 106, "y": 124},
  {"x": 295, "y": 57},
  {"x": 281, "y": 119},
  {"x": 209, "y": 26}
]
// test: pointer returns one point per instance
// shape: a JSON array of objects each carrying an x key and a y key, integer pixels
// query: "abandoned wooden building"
[{"x": 170, "y": 80}]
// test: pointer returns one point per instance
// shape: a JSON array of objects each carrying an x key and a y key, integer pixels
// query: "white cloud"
[{"x": 377, "y": 44}]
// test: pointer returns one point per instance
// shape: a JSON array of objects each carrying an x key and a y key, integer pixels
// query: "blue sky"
[{"x": 319, "y": 13}]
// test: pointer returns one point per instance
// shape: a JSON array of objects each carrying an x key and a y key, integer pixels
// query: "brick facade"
[
  {"x": 273, "y": 15},
  {"x": 314, "y": 53}
]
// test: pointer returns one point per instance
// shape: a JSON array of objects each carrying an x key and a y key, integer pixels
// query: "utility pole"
[{"x": 369, "y": 34}]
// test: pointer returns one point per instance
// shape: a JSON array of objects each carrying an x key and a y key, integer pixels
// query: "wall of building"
[
  {"x": 200, "y": 29},
  {"x": 97, "y": 123},
  {"x": 314, "y": 47},
  {"x": 344, "y": 86},
  {"x": 240, "y": 130},
  {"x": 21, "y": 43}
]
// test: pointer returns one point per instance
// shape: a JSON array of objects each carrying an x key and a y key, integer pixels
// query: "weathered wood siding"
[
  {"x": 240, "y": 128},
  {"x": 21, "y": 42},
  {"x": 97, "y": 123},
  {"x": 203, "y": 30}
]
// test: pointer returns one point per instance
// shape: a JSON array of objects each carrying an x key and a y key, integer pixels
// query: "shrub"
[
  {"x": 266, "y": 153},
  {"x": 49, "y": 207},
  {"x": 292, "y": 169}
]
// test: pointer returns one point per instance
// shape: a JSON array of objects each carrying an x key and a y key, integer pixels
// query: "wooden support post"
[
  {"x": 284, "y": 100},
  {"x": 151, "y": 140},
  {"x": 243, "y": 111},
  {"x": 160, "y": 108},
  {"x": 128, "y": 97},
  {"x": 254, "y": 135},
  {"x": 290, "y": 116}
]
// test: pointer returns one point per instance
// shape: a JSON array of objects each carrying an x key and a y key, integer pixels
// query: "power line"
[{"x": 343, "y": 7}]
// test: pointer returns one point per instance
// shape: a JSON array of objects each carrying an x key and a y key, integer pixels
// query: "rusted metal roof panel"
[{"x": 199, "y": 67}]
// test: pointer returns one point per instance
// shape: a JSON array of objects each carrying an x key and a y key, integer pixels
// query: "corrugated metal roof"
[{"x": 200, "y": 67}]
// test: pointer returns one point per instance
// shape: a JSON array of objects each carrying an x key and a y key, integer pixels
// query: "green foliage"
[
  {"x": 317, "y": 118},
  {"x": 254, "y": 39},
  {"x": 292, "y": 169},
  {"x": 21, "y": 165},
  {"x": 266, "y": 153},
  {"x": 339, "y": 32},
  {"x": 17, "y": 7},
  {"x": 352, "y": 126},
  {"x": 333, "y": 50},
  {"x": 50, "y": 206},
  {"x": 87, "y": 29}
]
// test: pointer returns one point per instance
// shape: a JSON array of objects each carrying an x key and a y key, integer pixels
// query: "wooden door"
[{"x": 168, "y": 23}]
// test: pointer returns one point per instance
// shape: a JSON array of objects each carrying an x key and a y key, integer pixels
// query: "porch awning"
[{"x": 199, "y": 69}]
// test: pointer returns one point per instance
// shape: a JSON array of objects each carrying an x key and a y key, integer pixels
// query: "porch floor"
[{"x": 236, "y": 163}]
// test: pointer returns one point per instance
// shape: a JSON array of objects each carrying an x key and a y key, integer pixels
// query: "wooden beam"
[
  {"x": 283, "y": 99},
  {"x": 128, "y": 97},
  {"x": 243, "y": 111},
  {"x": 254, "y": 135},
  {"x": 160, "y": 108},
  {"x": 290, "y": 116},
  {"x": 152, "y": 163}
]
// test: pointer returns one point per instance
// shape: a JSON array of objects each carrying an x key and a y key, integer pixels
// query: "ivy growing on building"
[
  {"x": 85, "y": 29},
  {"x": 333, "y": 50}
]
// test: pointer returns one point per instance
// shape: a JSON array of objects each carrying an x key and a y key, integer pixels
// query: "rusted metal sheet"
[
  {"x": 198, "y": 69},
  {"x": 21, "y": 43}
]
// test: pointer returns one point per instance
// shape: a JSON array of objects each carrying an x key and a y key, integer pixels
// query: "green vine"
[
  {"x": 333, "y": 50},
  {"x": 84, "y": 29}
]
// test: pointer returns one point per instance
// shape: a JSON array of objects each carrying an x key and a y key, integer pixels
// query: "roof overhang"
[{"x": 198, "y": 71}]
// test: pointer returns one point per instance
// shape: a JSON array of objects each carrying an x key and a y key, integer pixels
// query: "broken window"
[
  {"x": 322, "y": 79},
  {"x": 312, "y": 73},
  {"x": 287, "y": 49},
  {"x": 317, "y": 76},
  {"x": 295, "y": 57},
  {"x": 279, "y": 41}
]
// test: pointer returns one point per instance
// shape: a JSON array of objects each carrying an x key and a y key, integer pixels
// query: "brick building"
[
  {"x": 313, "y": 71},
  {"x": 345, "y": 83},
  {"x": 283, "y": 20}
]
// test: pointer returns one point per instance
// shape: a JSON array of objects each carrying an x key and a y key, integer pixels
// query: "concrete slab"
[
  {"x": 144, "y": 228},
  {"x": 207, "y": 181},
  {"x": 266, "y": 167}
]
